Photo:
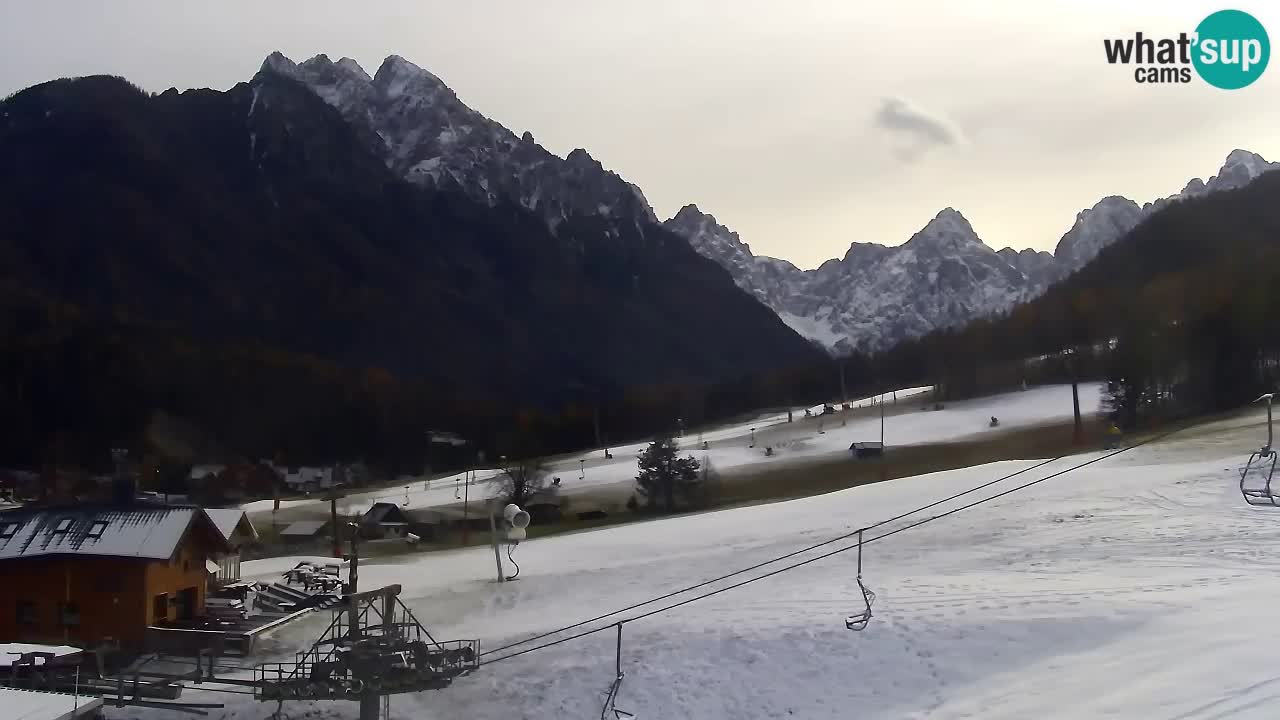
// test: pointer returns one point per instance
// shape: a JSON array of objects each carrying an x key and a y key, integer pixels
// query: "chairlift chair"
[
  {"x": 1260, "y": 470},
  {"x": 859, "y": 620},
  {"x": 609, "y": 707}
]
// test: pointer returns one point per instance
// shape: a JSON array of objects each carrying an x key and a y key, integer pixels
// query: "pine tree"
[{"x": 664, "y": 475}]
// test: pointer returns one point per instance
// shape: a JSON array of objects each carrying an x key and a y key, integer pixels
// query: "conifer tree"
[{"x": 664, "y": 476}]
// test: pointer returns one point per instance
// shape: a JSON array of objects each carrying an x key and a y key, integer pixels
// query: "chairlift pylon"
[
  {"x": 1260, "y": 470},
  {"x": 860, "y": 620}
]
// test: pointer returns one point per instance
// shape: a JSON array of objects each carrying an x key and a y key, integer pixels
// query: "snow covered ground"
[
  {"x": 730, "y": 451},
  {"x": 1138, "y": 586}
]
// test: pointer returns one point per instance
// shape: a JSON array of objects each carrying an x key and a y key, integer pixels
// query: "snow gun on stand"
[{"x": 514, "y": 522}]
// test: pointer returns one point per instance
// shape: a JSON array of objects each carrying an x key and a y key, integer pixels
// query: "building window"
[
  {"x": 160, "y": 607},
  {"x": 98, "y": 527},
  {"x": 8, "y": 530},
  {"x": 68, "y": 614},
  {"x": 186, "y": 565},
  {"x": 64, "y": 525},
  {"x": 27, "y": 614}
]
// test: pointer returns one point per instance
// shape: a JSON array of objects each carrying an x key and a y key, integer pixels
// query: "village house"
[
  {"x": 389, "y": 520},
  {"x": 238, "y": 531},
  {"x": 87, "y": 575}
]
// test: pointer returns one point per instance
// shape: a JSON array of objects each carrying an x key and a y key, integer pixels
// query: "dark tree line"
[{"x": 239, "y": 274}]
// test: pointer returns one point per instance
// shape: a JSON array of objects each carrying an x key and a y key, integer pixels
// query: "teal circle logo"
[{"x": 1231, "y": 50}]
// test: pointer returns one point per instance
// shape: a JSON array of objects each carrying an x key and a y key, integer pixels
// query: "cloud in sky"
[{"x": 920, "y": 129}]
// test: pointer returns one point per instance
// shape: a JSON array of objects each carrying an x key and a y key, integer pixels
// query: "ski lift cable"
[
  {"x": 780, "y": 558},
  {"x": 839, "y": 550}
]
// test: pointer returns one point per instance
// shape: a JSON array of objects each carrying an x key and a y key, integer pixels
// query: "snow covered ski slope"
[
  {"x": 1140, "y": 586},
  {"x": 730, "y": 445}
]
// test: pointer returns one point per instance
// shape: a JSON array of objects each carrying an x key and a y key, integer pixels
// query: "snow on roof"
[
  {"x": 304, "y": 527},
  {"x": 384, "y": 513},
  {"x": 22, "y": 704},
  {"x": 9, "y": 652},
  {"x": 228, "y": 519},
  {"x": 143, "y": 532}
]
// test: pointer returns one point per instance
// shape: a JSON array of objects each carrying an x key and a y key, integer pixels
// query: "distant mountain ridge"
[
  {"x": 267, "y": 214},
  {"x": 430, "y": 137},
  {"x": 943, "y": 277}
]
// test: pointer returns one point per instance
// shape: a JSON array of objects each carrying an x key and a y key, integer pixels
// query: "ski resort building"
[{"x": 84, "y": 575}]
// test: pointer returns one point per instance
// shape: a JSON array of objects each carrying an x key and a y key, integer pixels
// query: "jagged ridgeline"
[
  {"x": 257, "y": 264},
  {"x": 943, "y": 277},
  {"x": 1177, "y": 314}
]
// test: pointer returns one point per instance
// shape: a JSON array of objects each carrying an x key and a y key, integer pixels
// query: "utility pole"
[
  {"x": 333, "y": 522},
  {"x": 467, "y": 476},
  {"x": 882, "y": 423},
  {"x": 1077, "y": 435},
  {"x": 353, "y": 577},
  {"x": 844, "y": 396},
  {"x": 493, "y": 537}
]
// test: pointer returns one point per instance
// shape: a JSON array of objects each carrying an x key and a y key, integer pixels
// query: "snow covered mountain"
[
  {"x": 765, "y": 278},
  {"x": 430, "y": 137},
  {"x": 872, "y": 297},
  {"x": 875, "y": 295},
  {"x": 1094, "y": 229},
  {"x": 944, "y": 276},
  {"x": 1239, "y": 169}
]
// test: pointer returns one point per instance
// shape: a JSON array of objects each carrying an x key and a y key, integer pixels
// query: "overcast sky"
[{"x": 803, "y": 125}]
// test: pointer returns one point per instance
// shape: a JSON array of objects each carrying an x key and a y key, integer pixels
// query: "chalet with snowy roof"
[
  {"x": 384, "y": 520},
  {"x": 87, "y": 575},
  {"x": 238, "y": 531},
  {"x": 389, "y": 520}
]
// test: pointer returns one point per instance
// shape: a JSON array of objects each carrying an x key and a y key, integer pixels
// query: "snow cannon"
[{"x": 515, "y": 517}]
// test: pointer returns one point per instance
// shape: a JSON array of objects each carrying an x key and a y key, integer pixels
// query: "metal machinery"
[{"x": 373, "y": 648}]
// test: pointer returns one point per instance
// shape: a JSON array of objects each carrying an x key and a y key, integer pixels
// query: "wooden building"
[
  {"x": 85, "y": 575},
  {"x": 238, "y": 531},
  {"x": 387, "y": 520}
]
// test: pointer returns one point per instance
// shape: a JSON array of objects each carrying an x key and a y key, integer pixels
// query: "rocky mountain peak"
[
  {"x": 430, "y": 137},
  {"x": 704, "y": 233},
  {"x": 351, "y": 67},
  {"x": 1095, "y": 228},
  {"x": 690, "y": 213},
  {"x": 947, "y": 230},
  {"x": 277, "y": 62},
  {"x": 1238, "y": 170}
]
